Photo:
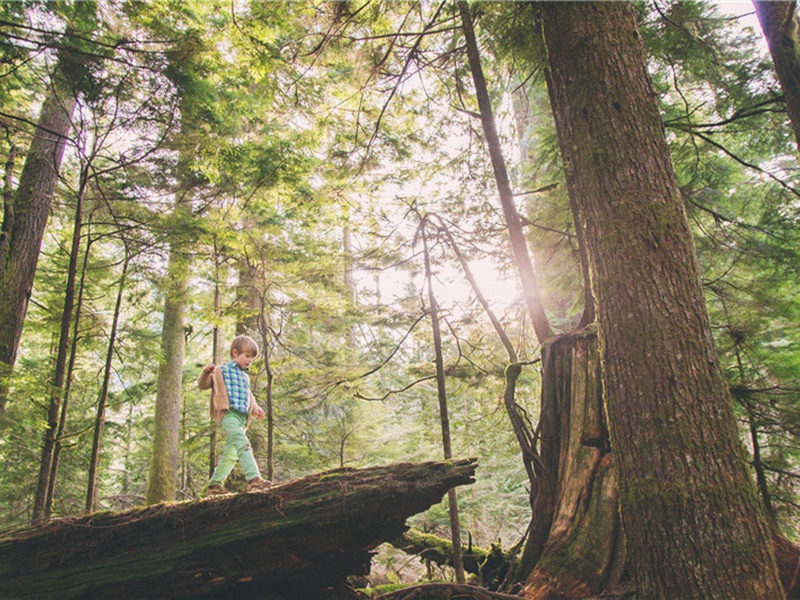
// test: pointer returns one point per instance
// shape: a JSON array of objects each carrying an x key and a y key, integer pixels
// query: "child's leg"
[
  {"x": 229, "y": 455},
  {"x": 237, "y": 436}
]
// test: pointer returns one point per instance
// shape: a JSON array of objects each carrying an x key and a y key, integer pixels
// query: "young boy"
[{"x": 232, "y": 404}]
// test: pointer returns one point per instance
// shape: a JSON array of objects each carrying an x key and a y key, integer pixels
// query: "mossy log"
[
  {"x": 301, "y": 539},
  {"x": 490, "y": 566}
]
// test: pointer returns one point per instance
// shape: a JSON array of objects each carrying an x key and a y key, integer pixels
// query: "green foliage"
[{"x": 317, "y": 139}]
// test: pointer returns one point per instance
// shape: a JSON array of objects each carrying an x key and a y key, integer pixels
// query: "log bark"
[{"x": 298, "y": 540}]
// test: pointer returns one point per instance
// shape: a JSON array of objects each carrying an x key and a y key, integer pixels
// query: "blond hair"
[{"x": 244, "y": 344}]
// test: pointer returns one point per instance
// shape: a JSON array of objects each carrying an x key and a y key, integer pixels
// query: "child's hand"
[
  {"x": 209, "y": 369},
  {"x": 259, "y": 412}
]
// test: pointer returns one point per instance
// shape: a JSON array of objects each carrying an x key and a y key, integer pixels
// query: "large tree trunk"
[
  {"x": 573, "y": 495},
  {"x": 298, "y": 540},
  {"x": 781, "y": 26},
  {"x": 162, "y": 480},
  {"x": 691, "y": 516},
  {"x": 21, "y": 238}
]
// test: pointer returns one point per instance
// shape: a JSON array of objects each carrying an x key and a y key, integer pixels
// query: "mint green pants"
[{"x": 237, "y": 446}]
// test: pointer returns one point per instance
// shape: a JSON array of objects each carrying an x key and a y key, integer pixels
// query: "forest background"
[{"x": 287, "y": 170}]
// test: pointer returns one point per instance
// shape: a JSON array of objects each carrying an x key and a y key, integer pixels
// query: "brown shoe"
[
  {"x": 258, "y": 485},
  {"x": 215, "y": 490}
]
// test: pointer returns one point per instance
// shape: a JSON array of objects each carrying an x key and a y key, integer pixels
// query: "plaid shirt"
[{"x": 237, "y": 384}]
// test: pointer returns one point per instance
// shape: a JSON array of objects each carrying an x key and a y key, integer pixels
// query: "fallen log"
[{"x": 301, "y": 539}]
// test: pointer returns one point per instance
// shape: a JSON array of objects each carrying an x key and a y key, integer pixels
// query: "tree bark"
[
  {"x": 298, "y": 540},
  {"x": 576, "y": 548},
  {"x": 162, "y": 480},
  {"x": 780, "y": 24},
  {"x": 692, "y": 520},
  {"x": 572, "y": 478},
  {"x": 21, "y": 238}
]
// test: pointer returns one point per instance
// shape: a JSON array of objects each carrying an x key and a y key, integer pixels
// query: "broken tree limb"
[{"x": 301, "y": 539}]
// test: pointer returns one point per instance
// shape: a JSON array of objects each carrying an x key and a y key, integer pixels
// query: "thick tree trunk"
[
  {"x": 573, "y": 491},
  {"x": 162, "y": 480},
  {"x": 21, "y": 238},
  {"x": 299, "y": 540},
  {"x": 692, "y": 520},
  {"x": 781, "y": 26}
]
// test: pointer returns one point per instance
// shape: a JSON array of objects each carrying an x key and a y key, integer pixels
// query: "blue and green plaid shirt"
[{"x": 237, "y": 384}]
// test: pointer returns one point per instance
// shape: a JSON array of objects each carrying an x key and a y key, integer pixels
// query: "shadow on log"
[{"x": 301, "y": 539}]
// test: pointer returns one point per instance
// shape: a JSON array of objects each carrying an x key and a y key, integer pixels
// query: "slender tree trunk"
[
  {"x": 217, "y": 357},
  {"x": 692, "y": 520},
  {"x": 455, "y": 527},
  {"x": 102, "y": 401},
  {"x": 516, "y": 234},
  {"x": 266, "y": 351},
  {"x": 349, "y": 283},
  {"x": 73, "y": 353},
  {"x": 21, "y": 236},
  {"x": 57, "y": 385},
  {"x": 781, "y": 26},
  {"x": 758, "y": 467}
]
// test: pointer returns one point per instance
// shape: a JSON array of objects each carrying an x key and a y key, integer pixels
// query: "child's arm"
[
  {"x": 205, "y": 380},
  {"x": 254, "y": 409}
]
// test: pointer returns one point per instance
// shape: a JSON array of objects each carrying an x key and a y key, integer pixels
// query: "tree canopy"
[{"x": 323, "y": 176}]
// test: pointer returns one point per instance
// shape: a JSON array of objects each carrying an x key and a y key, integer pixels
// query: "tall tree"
[
  {"x": 163, "y": 476},
  {"x": 692, "y": 519},
  {"x": 781, "y": 26},
  {"x": 24, "y": 225},
  {"x": 162, "y": 480},
  {"x": 573, "y": 546}
]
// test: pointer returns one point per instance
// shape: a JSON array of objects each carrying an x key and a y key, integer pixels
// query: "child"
[{"x": 232, "y": 404}]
